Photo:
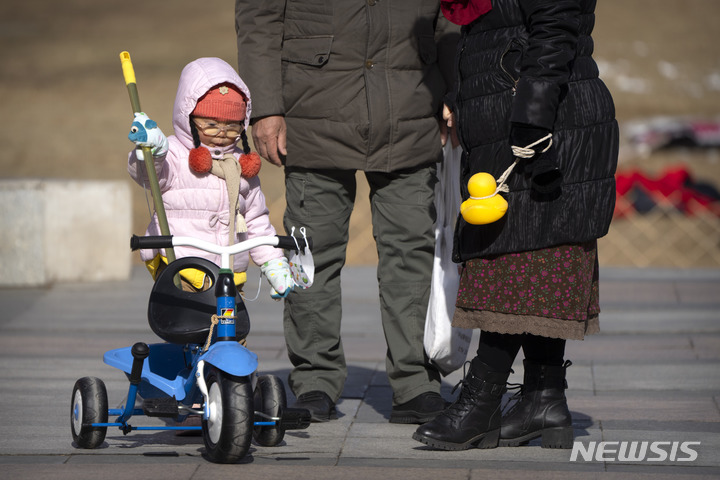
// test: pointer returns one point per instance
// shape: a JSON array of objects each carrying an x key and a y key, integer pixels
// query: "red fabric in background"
[
  {"x": 463, "y": 12},
  {"x": 674, "y": 184}
]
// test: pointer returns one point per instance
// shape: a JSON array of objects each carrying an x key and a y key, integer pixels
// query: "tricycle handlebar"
[
  {"x": 167, "y": 241},
  {"x": 287, "y": 242},
  {"x": 142, "y": 243}
]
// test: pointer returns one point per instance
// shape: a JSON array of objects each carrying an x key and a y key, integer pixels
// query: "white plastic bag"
[{"x": 446, "y": 346}]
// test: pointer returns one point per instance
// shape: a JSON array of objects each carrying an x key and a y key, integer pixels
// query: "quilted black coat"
[{"x": 529, "y": 62}]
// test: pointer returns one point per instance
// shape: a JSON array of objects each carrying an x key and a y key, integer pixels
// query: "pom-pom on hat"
[{"x": 223, "y": 102}]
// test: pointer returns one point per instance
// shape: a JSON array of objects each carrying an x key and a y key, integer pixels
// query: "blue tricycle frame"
[{"x": 201, "y": 370}]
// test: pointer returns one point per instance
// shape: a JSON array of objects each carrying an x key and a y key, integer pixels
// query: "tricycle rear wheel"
[
  {"x": 228, "y": 430},
  {"x": 89, "y": 404},
  {"x": 270, "y": 400}
]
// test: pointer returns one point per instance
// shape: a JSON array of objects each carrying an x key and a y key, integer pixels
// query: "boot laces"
[
  {"x": 516, "y": 398},
  {"x": 467, "y": 397},
  {"x": 464, "y": 399}
]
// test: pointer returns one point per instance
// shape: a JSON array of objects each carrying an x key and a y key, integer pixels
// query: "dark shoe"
[
  {"x": 474, "y": 419},
  {"x": 419, "y": 410},
  {"x": 319, "y": 404},
  {"x": 541, "y": 409}
]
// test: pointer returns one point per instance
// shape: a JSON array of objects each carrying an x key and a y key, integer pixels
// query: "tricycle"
[{"x": 202, "y": 368}]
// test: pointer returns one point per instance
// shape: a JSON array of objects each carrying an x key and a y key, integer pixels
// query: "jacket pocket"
[
  {"x": 313, "y": 51},
  {"x": 427, "y": 48},
  {"x": 511, "y": 60}
]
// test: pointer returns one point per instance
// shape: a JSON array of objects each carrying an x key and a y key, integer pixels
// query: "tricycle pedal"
[
  {"x": 295, "y": 418},
  {"x": 161, "y": 407}
]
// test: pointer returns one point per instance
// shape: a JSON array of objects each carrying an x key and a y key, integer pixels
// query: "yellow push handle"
[
  {"x": 129, "y": 74},
  {"x": 127, "y": 68}
]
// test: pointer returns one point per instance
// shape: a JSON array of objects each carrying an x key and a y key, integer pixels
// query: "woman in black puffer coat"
[{"x": 530, "y": 280}]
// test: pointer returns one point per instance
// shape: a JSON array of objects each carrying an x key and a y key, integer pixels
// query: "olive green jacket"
[{"x": 358, "y": 82}]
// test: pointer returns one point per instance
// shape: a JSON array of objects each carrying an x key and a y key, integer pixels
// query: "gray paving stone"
[
  {"x": 635, "y": 406},
  {"x": 661, "y": 376},
  {"x": 651, "y": 374},
  {"x": 613, "y": 348}
]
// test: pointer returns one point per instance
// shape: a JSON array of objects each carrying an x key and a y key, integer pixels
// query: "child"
[{"x": 209, "y": 185}]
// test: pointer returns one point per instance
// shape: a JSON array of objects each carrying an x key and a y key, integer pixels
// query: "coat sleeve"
[
  {"x": 447, "y": 36},
  {"x": 259, "y": 26},
  {"x": 165, "y": 173},
  {"x": 553, "y": 27}
]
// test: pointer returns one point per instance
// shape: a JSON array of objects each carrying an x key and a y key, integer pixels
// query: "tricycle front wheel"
[
  {"x": 228, "y": 430},
  {"x": 89, "y": 404}
]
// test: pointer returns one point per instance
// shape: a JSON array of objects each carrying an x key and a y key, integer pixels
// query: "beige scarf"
[{"x": 229, "y": 169}]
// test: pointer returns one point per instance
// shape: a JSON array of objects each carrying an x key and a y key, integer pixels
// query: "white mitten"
[
  {"x": 145, "y": 132},
  {"x": 278, "y": 275}
]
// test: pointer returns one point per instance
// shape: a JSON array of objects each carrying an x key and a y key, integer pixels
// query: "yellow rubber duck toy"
[{"x": 485, "y": 205}]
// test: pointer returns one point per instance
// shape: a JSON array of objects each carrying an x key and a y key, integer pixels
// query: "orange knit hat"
[{"x": 223, "y": 102}]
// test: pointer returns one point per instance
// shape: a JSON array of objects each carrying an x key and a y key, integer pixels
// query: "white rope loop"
[
  {"x": 528, "y": 152},
  {"x": 518, "y": 152}
]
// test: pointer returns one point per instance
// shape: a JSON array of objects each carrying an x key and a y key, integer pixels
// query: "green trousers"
[{"x": 403, "y": 215}]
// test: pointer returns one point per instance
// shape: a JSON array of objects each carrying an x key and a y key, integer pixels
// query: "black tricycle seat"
[{"x": 182, "y": 317}]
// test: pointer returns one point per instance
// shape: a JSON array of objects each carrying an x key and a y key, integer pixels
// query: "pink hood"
[{"x": 195, "y": 80}]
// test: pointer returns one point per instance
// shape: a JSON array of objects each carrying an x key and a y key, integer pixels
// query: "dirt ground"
[{"x": 65, "y": 111}]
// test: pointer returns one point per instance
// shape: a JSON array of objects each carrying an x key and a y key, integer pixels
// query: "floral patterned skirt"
[{"x": 551, "y": 292}]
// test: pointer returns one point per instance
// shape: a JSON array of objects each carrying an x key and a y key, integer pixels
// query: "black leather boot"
[
  {"x": 473, "y": 420},
  {"x": 541, "y": 410}
]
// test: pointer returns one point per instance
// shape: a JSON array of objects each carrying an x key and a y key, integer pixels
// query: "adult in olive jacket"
[{"x": 341, "y": 86}]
